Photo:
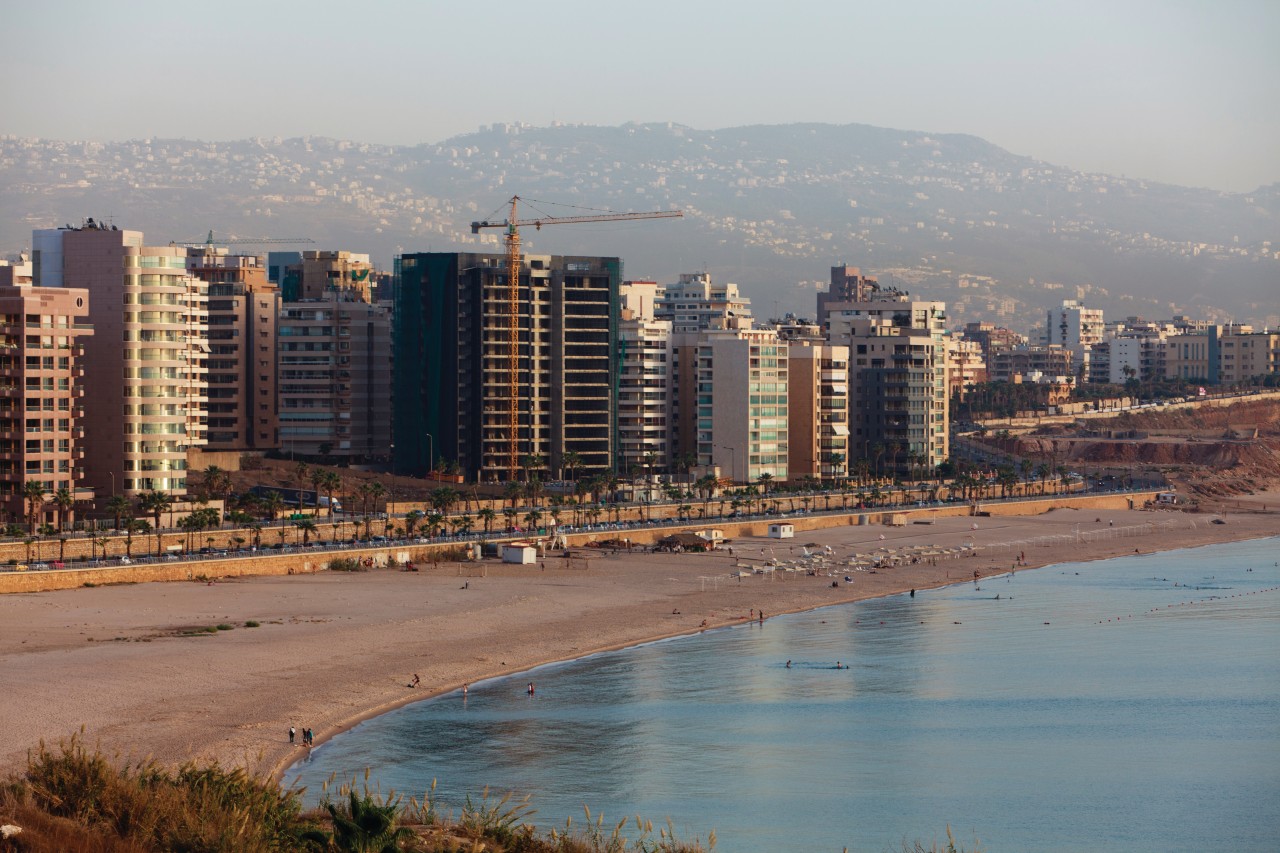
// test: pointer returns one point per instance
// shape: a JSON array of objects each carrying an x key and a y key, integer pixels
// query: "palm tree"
[
  {"x": 217, "y": 481},
  {"x": 487, "y": 515},
  {"x": 443, "y": 499},
  {"x": 300, "y": 472},
  {"x": 1043, "y": 471},
  {"x": 117, "y": 505},
  {"x": 255, "y": 531},
  {"x": 531, "y": 462},
  {"x": 155, "y": 502},
  {"x": 272, "y": 503},
  {"x": 64, "y": 500},
  {"x": 533, "y": 518},
  {"x": 377, "y": 492},
  {"x": 434, "y": 520},
  {"x": 318, "y": 477},
  {"x": 331, "y": 483},
  {"x": 411, "y": 520},
  {"x": 510, "y": 513},
  {"x": 307, "y": 526},
  {"x": 571, "y": 462},
  {"x": 130, "y": 527},
  {"x": 461, "y": 524},
  {"x": 33, "y": 494},
  {"x": 766, "y": 481}
]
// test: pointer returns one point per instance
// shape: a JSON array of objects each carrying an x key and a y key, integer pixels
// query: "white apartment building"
[
  {"x": 643, "y": 397},
  {"x": 1075, "y": 327},
  {"x": 695, "y": 303}
]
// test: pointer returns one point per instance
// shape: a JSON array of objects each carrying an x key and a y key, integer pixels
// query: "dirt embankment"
[{"x": 1208, "y": 452}]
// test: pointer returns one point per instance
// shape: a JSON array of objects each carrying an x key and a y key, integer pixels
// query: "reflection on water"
[{"x": 1127, "y": 705}]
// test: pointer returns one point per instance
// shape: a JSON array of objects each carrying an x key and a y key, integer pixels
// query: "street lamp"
[
  {"x": 430, "y": 453},
  {"x": 733, "y": 459}
]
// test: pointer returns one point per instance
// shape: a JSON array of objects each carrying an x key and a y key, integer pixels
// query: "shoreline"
[
  {"x": 332, "y": 650},
  {"x": 278, "y": 772}
]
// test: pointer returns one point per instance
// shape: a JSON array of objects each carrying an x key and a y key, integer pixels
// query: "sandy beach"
[{"x": 129, "y": 665}]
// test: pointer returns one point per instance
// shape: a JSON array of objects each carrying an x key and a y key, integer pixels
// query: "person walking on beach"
[{"x": 292, "y": 733}]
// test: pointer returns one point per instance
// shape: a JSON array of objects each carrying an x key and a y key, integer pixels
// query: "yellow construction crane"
[{"x": 512, "y": 225}]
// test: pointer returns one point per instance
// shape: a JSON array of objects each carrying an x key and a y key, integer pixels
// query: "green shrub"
[
  {"x": 226, "y": 626},
  {"x": 251, "y": 624},
  {"x": 346, "y": 564}
]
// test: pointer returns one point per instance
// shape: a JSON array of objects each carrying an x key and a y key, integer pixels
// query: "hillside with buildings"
[{"x": 999, "y": 237}]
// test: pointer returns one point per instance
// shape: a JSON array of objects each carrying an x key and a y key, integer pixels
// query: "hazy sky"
[{"x": 1180, "y": 91}]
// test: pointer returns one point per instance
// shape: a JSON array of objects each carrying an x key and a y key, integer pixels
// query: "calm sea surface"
[{"x": 1125, "y": 705}]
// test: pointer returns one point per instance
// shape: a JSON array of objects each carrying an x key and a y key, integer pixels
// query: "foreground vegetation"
[{"x": 72, "y": 799}]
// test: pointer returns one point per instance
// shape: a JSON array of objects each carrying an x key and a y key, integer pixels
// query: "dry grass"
[{"x": 74, "y": 800}]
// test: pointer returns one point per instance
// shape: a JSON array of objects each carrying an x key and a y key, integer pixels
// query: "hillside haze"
[{"x": 998, "y": 236}]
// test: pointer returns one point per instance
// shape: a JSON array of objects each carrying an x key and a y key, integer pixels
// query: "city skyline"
[{"x": 1172, "y": 92}]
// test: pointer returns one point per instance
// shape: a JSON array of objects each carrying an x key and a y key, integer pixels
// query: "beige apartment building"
[
  {"x": 244, "y": 309},
  {"x": 41, "y": 393},
  {"x": 966, "y": 365},
  {"x": 817, "y": 410},
  {"x": 146, "y": 359},
  {"x": 321, "y": 273},
  {"x": 1246, "y": 355}
]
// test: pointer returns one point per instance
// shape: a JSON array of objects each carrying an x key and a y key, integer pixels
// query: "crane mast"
[{"x": 512, "y": 240}]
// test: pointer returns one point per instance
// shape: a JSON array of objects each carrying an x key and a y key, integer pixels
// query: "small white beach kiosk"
[
  {"x": 520, "y": 553},
  {"x": 782, "y": 530}
]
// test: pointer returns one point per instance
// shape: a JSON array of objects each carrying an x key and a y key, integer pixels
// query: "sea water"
[{"x": 1131, "y": 704}]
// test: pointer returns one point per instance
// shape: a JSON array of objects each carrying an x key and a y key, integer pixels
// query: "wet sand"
[{"x": 129, "y": 665}]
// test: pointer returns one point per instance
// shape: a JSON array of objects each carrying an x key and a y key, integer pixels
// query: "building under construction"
[{"x": 454, "y": 383}]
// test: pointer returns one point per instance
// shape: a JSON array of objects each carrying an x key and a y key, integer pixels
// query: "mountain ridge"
[{"x": 1000, "y": 236}]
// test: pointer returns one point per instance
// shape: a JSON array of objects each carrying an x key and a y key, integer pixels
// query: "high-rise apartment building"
[
  {"x": 817, "y": 410},
  {"x": 899, "y": 396},
  {"x": 1077, "y": 328},
  {"x": 243, "y": 312},
  {"x": 334, "y": 378},
  {"x": 643, "y": 397},
  {"x": 454, "y": 387},
  {"x": 693, "y": 305},
  {"x": 742, "y": 395},
  {"x": 146, "y": 359},
  {"x": 41, "y": 392}
]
